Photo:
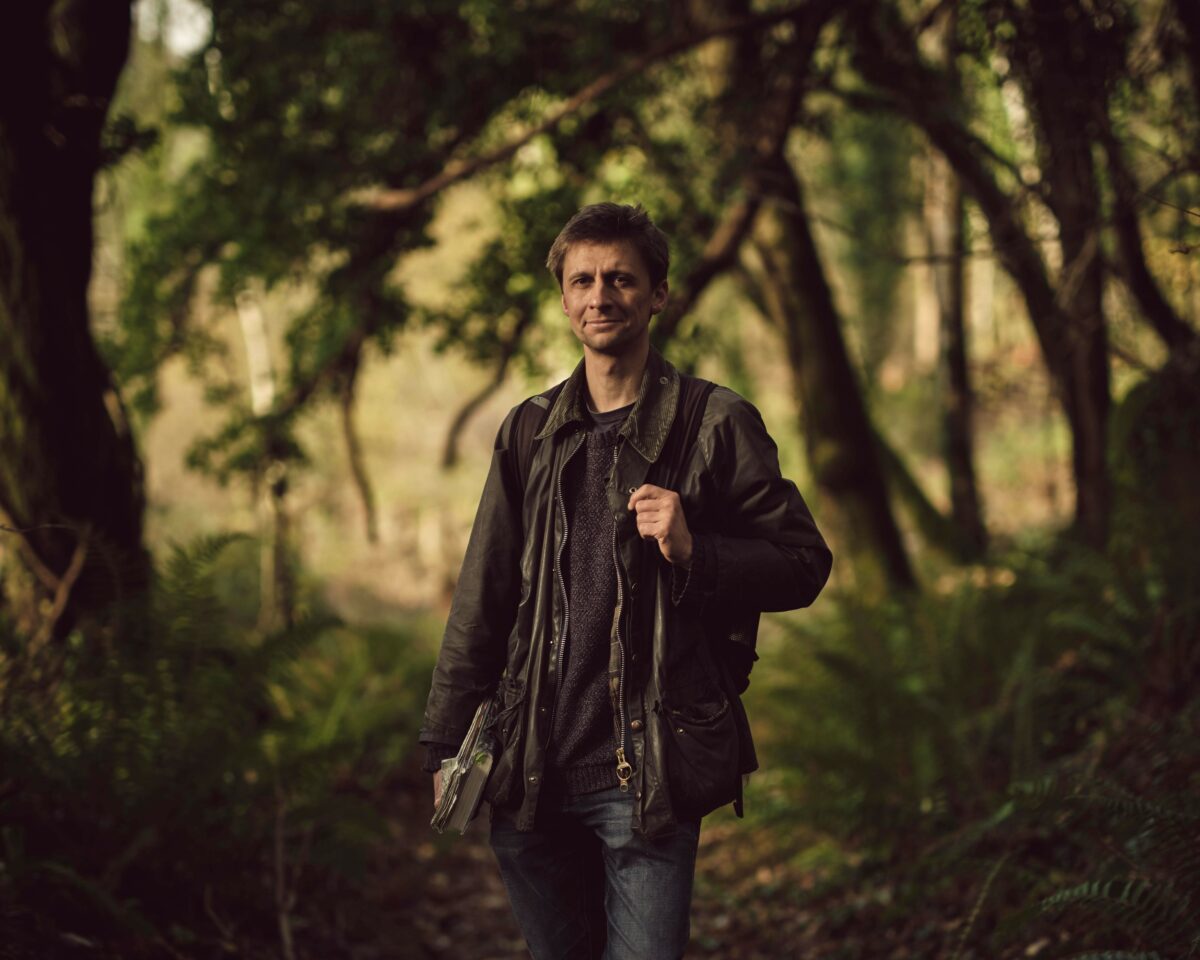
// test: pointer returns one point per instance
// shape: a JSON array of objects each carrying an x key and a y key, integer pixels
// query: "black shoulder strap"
[
  {"x": 530, "y": 417},
  {"x": 693, "y": 398}
]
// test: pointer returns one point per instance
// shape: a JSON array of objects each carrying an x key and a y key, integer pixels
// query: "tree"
[
  {"x": 70, "y": 478},
  {"x": 1067, "y": 312},
  {"x": 331, "y": 131}
]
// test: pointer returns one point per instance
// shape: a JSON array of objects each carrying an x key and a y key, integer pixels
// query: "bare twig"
[
  {"x": 285, "y": 893},
  {"x": 1122, "y": 354},
  {"x": 48, "y": 578},
  {"x": 63, "y": 592},
  {"x": 508, "y": 350},
  {"x": 358, "y": 466},
  {"x": 398, "y": 200},
  {"x": 1172, "y": 206},
  {"x": 905, "y": 259},
  {"x": 224, "y": 928},
  {"x": 978, "y": 905}
]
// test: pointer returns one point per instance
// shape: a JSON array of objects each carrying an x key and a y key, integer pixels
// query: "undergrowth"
[{"x": 193, "y": 786}]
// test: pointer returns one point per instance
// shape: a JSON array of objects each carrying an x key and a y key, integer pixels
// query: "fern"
[
  {"x": 157, "y": 768},
  {"x": 1117, "y": 955},
  {"x": 1137, "y": 903}
]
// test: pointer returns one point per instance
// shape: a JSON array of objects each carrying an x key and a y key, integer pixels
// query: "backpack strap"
[
  {"x": 530, "y": 417},
  {"x": 693, "y": 398}
]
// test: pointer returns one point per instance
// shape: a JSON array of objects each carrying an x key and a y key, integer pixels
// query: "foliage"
[
  {"x": 145, "y": 791},
  {"x": 305, "y": 112},
  {"x": 1013, "y": 743},
  {"x": 1028, "y": 733}
]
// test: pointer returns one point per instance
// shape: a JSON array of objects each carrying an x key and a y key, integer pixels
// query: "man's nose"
[{"x": 601, "y": 294}]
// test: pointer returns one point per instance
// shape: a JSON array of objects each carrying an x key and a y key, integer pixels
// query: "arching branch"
[
  {"x": 720, "y": 253},
  {"x": 395, "y": 200},
  {"x": 508, "y": 350}
]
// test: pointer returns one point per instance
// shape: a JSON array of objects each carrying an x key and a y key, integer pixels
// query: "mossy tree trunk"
[
  {"x": 839, "y": 437},
  {"x": 69, "y": 472}
]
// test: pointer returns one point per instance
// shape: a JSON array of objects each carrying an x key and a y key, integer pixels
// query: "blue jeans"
[{"x": 584, "y": 886}]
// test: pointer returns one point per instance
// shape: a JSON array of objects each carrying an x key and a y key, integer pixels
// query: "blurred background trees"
[{"x": 272, "y": 274}]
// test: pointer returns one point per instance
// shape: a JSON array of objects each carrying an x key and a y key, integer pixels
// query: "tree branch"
[
  {"x": 405, "y": 199},
  {"x": 1171, "y": 328},
  {"x": 63, "y": 592},
  {"x": 358, "y": 467},
  {"x": 508, "y": 350},
  {"x": 719, "y": 254},
  {"x": 923, "y": 95}
]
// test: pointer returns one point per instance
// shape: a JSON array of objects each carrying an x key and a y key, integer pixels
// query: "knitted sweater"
[{"x": 581, "y": 754}]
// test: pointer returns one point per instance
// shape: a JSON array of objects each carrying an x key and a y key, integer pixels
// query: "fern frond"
[
  {"x": 1154, "y": 907},
  {"x": 1117, "y": 955},
  {"x": 196, "y": 556}
]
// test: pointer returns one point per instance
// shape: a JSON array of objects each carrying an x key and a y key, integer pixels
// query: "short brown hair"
[{"x": 606, "y": 222}]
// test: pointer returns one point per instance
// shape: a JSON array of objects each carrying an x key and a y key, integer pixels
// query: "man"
[{"x": 616, "y": 614}]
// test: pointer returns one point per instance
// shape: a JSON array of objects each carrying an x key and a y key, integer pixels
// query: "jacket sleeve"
[
  {"x": 763, "y": 551},
  {"x": 474, "y": 647}
]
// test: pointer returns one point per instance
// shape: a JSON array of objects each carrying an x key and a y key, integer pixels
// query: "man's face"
[{"x": 607, "y": 295}]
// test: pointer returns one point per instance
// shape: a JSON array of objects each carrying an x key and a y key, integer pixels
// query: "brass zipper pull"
[{"x": 624, "y": 770}]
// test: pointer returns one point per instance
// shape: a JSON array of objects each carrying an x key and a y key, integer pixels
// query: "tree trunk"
[
  {"x": 1066, "y": 316},
  {"x": 67, "y": 459},
  {"x": 944, "y": 220},
  {"x": 839, "y": 438},
  {"x": 1065, "y": 82}
]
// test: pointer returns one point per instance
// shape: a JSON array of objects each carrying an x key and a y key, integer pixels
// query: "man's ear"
[
  {"x": 658, "y": 299},
  {"x": 563, "y": 300}
]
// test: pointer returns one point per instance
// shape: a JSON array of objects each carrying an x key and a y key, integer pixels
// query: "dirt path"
[{"x": 456, "y": 907}]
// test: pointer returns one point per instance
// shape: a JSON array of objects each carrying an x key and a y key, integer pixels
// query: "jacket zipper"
[
  {"x": 624, "y": 768},
  {"x": 562, "y": 586}
]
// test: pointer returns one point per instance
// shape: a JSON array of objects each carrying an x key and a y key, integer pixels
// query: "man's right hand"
[{"x": 437, "y": 788}]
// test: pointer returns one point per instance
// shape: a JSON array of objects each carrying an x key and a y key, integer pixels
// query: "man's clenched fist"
[{"x": 660, "y": 517}]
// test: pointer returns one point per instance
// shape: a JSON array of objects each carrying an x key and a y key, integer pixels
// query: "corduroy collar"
[{"x": 649, "y": 421}]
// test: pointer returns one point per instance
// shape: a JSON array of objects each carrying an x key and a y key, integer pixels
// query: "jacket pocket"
[
  {"x": 506, "y": 728},
  {"x": 702, "y": 753}
]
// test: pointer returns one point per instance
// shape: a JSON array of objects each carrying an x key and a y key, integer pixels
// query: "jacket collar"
[{"x": 649, "y": 422}]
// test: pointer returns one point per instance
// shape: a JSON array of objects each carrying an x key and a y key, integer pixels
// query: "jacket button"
[
  {"x": 663, "y": 381},
  {"x": 630, "y": 491},
  {"x": 636, "y": 725},
  {"x": 533, "y": 779},
  {"x": 634, "y": 657}
]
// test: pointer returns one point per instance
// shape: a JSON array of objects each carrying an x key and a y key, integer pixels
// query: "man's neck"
[{"x": 614, "y": 381}]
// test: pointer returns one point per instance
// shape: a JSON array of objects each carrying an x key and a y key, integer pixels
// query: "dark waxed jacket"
[{"x": 756, "y": 549}]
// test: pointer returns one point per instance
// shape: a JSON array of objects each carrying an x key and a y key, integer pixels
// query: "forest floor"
[
  {"x": 426, "y": 897},
  {"x": 749, "y": 903}
]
